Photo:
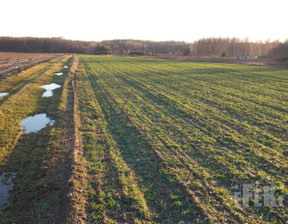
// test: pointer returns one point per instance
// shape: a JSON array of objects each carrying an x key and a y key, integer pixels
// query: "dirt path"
[{"x": 76, "y": 199}]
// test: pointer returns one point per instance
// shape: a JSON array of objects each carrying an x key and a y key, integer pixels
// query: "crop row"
[{"x": 204, "y": 124}]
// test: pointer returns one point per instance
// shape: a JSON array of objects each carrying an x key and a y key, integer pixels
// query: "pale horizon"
[{"x": 145, "y": 20}]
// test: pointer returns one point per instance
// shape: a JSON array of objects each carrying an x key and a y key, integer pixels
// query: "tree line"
[
  {"x": 206, "y": 47},
  {"x": 231, "y": 47},
  {"x": 140, "y": 47},
  {"x": 280, "y": 52},
  {"x": 42, "y": 45}
]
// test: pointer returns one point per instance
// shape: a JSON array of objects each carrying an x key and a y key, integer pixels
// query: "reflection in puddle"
[
  {"x": 58, "y": 73},
  {"x": 6, "y": 185},
  {"x": 49, "y": 88},
  {"x": 35, "y": 123},
  {"x": 4, "y": 94}
]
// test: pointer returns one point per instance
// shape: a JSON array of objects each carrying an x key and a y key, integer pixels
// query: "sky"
[{"x": 158, "y": 20}]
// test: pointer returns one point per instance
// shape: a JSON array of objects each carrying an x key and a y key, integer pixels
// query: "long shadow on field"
[
  {"x": 162, "y": 193},
  {"x": 22, "y": 83},
  {"x": 174, "y": 108},
  {"x": 43, "y": 166},
  {"x": 37, "y": 186}
]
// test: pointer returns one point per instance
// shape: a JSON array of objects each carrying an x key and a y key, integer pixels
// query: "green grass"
[
  {"x": 180, "y": 135},
  {"x": 24, "y": 100},
  {"x": 37, "y": 158}
]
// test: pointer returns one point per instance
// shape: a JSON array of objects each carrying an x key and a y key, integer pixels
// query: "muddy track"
[{"x": 76, "y": 199}]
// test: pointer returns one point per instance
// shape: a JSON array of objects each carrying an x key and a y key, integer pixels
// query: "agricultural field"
[
  {"x": 168, "y": 141},
  {"x": 142, "y": 140},
  {"x": 38, "y": 159},
  {"x": 19, "y": 60}
]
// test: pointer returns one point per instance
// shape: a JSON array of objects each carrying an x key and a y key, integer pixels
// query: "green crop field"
[
  {"x": 167, "y": 141},
  {"x": 141, "y": 140}
]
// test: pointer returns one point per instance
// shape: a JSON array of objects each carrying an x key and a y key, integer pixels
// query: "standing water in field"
[
  {"x": 36, "y": 123},
  {"x": 4, "y": 94},
  {"x": 6, "y": 185},
  {"x": 65, "y": 66},
  {"x": 49, "y": 88},
  {"x": 58, "y": 73}
]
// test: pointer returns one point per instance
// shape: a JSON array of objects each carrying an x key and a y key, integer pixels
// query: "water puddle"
[
  {"x": 36, "y": 123},
  {"x": 4, "y": 94},
  {"x": 49, "y": 88},
  {"x": 65, "y": 66},
  {"x": 58, "y": 73},
  {"x": 6, "y": 184}
]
